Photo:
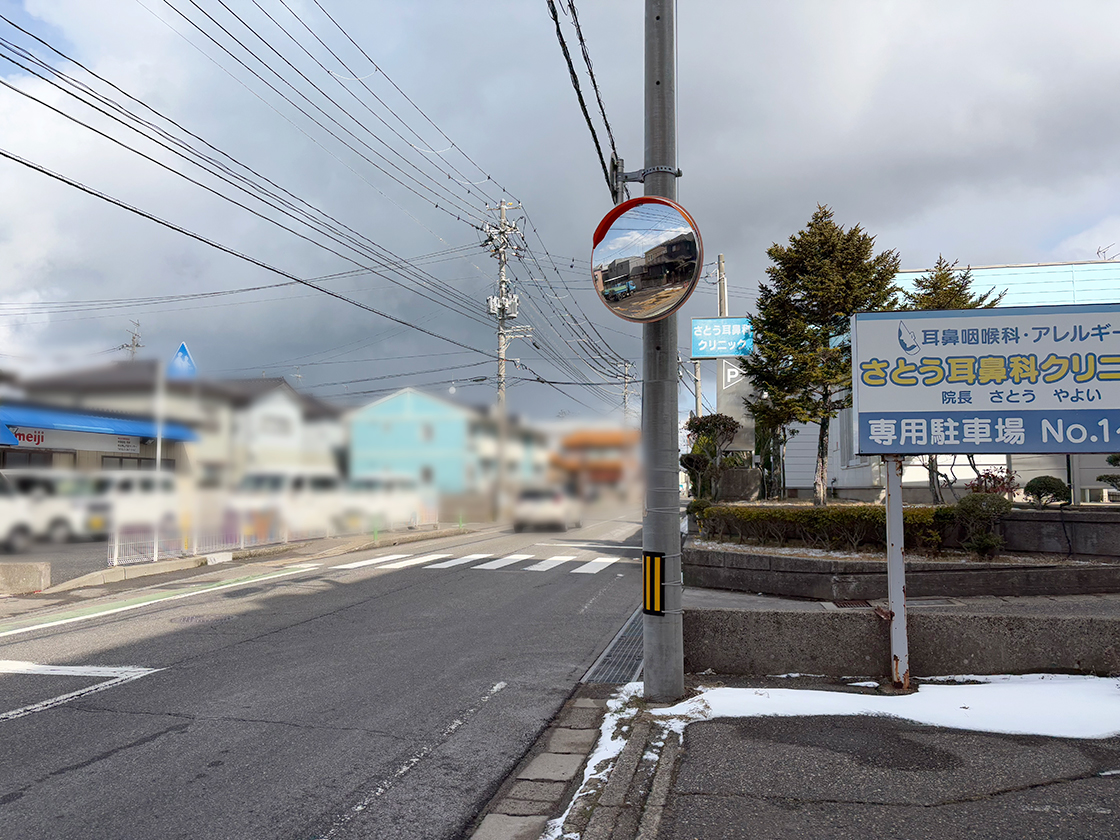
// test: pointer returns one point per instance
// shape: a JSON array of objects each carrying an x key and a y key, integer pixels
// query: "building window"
[
  {"x": 112, "y": 462},
  {"x": 14, "y": 459},
  {"x": 427, "y": 432},
  {"x": 426, "y": 475},
  {"x": 271, "y": 424}
]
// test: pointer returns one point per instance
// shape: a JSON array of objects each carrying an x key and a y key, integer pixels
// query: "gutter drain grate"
[
  {"x": 621, "y": 662},
  {"x": 851, "y": 605}
]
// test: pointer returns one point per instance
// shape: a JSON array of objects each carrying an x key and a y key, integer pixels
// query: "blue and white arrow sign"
[{"x": 182, "y": 365}]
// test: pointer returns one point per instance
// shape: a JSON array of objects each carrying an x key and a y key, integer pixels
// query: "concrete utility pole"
[
  {"x": 663, "y": 644},
  {"x": 626, "y": 393},
  {"x": 696, "y": 385},
  {"x": 723, "y": 311},
  {"x": 502, "y": 306}
]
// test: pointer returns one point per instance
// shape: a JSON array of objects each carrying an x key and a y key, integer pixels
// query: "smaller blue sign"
[
  {"x": 717, "y": 338},
  {"x": 182, "y": 365}
]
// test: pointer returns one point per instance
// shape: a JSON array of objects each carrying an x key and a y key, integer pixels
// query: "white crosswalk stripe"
[
  {"x": 504, "y": 561},
  {"x": 458, "y": 561},
  {"x": 415, "y": 561},
  {"x": 596, "y": 565},
  {"x": 550, "y": 563},
  {"x": 371, "y": 562}
]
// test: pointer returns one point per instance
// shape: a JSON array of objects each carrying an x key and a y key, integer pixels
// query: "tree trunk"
[
  {"x": 820, "y": 482},
  {"x": 934, "y": 479}
]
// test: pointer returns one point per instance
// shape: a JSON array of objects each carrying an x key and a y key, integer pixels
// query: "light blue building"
[{"x": 448, "y": 448}]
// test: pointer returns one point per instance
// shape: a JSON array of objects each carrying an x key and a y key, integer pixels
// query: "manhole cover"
[{"x": 200, "y": 619}]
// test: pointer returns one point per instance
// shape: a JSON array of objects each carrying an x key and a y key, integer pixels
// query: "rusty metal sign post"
[{"x": 896, "y": 574}]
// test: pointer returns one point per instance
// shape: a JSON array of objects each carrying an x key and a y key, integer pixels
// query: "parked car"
[
  {"x": 131, "y": 498},
  {"x": 305, "y": 500},
  {"x": 539, "y": 507},
  {"x": 59, "y": 502},
  {"x": 383, "y": 502},
  {"x": 15, "y": 518}
]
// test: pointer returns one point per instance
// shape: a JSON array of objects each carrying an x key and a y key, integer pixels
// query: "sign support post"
[
  {"x": 662, "y": 635},
  {"x": 896, "y": 574}
]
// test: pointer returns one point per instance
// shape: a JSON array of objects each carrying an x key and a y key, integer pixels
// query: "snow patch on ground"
[{"x": 1056, "y": 706}]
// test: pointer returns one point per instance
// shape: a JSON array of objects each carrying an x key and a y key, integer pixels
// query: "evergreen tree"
[
  {"x": 945, "y": 287},
  {"x": 802, "y": 347}
]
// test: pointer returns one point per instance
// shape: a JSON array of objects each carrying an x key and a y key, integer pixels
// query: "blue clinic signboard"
[
  {"x": 1027, "y": 379},
  {"x": 715, "y": 338}
]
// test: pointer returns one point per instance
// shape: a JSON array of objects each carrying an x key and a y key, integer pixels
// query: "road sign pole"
[
  {"x": 662, "y": 634},
  {"x": 896, "y": 574}
]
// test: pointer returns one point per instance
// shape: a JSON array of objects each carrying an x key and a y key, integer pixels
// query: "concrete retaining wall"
[
  {"x": 838, "y": 643},
  {"x": 21, "y": 578},
  {"x": 1092, "y": 533},
  {"x": 834, "y": 580}
]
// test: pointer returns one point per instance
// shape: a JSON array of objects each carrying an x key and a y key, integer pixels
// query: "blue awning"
[{"x": 35, "y": 417}]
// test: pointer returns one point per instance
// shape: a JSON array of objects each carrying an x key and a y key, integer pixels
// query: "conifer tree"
[
  {"x": 946, "y": 287},
  {"x": 802, "y": 346}
]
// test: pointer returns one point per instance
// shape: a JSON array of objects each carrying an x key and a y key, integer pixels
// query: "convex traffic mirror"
[{"x": 646, "y": 258}]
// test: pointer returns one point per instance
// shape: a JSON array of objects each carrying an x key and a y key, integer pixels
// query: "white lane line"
[
  {"x": 371, "y": 562},
  {"x": 338, "y": 824},
  {"x": 159, "y": 599},
  {"x": 550, "y": 563},
  {"x": 458, "y": 561},
  {"x": 504, "y": 561},
  {"x": 596, "y": 565},
  {"x": 16, "y": 666},
  {"x": 120, "y": 676},
  {"x": 415, "y": 561}
]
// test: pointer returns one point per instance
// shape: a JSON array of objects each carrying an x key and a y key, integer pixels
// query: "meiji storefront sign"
[{"x": 54, "y": 439}]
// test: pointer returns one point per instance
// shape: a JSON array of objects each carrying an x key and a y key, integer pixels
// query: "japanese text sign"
[
  {"x": 714, "y": 338},
  {"x": 1017, "y": 379}
]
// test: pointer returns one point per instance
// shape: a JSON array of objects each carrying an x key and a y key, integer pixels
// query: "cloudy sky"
[{"x": 981, "y": 131}]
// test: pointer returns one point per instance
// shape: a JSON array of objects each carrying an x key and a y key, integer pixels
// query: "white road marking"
[
  {"x": 415, "y": 561},
  {"x": 596, "y": 565},
  {"x": 156, "y": 600},
  {"x": 504, "y": 561},
  {"x": 371, "y": 562},
  {"x": 458, "y": 561},
  {"x": 550, "y": 563},
  {"x": 339, "y": 822},
  {"x": 119, "y": 676}
]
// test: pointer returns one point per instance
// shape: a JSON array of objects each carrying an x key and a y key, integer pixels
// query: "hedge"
[{"x": 835, "y": 526}]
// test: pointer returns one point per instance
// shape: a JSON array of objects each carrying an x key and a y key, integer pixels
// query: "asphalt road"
[
  {"x": 859, "y": 777},
  {"x": 305, "y": 700}
]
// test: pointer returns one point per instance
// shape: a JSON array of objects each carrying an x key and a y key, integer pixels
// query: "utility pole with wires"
[
  {"x": 503, "y": 307},
  {"x": 626, "y": 392},
  {"x": 134, "y": 344}
]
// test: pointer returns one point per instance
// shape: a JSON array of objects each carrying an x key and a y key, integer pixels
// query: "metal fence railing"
[{"x": 135, "y": 543}]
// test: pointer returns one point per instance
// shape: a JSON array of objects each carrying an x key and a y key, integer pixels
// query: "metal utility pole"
[
  {"x": 502, "y": 306},
  {"x": 663, "y": 643}
]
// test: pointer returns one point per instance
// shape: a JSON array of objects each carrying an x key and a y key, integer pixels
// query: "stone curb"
[{"x": 547, "y": 777}]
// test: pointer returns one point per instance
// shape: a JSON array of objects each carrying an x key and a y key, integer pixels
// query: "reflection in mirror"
[{"x": 645, "y": 264}]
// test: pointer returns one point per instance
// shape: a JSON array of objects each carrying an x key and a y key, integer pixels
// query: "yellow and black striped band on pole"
[{"x": 653, "y": 583}]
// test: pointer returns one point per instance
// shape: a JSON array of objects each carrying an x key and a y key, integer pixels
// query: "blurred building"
[
  {"x": 447, "y": 447},
  {"x": 234, "y": 425},
  {"x": 599, "y": 463}
]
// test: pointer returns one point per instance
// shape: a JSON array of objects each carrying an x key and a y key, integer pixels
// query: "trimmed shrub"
[
  {"x": 1046, "y": 489},
  {"x": 980, "y": 515},
  {"x": 844, "y": 527}
]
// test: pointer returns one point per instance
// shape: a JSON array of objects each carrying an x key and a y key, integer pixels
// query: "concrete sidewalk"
[{"x": 831, "y": 776}]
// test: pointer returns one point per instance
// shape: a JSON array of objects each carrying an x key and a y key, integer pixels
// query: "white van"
[
  {"x": 133, "y": 497},
  {"x": 307, "y": 501},
  {"x": 16, "y": 527},
  {"x": 383, "y": 502},
  {"x": 59, "y": 502}
]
